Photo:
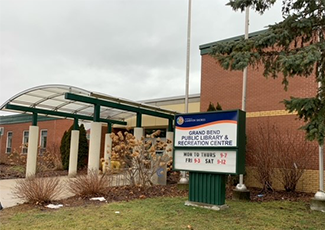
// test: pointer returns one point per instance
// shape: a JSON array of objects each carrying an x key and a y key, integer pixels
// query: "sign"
[
  {"x": 210, "y": 142},
  {"x": 205, "y": 160}
]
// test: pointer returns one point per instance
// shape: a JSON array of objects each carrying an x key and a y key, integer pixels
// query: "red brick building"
[
  {"x": 263, "y": 107},
  {"x": 15, "y": 133}
]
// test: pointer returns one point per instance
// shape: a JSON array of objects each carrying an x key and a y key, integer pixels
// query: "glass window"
[
  {"x": 9, "y": 142},
  {"x": 25, "y": 141},
  {"x": 43, "y": 141}
]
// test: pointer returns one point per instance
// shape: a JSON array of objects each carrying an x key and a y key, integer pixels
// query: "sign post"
[{"x": 210, "y": 146}]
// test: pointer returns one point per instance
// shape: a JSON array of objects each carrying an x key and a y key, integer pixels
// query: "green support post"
[
  {"x": 34, "y": 119},
  {"x": 109, "y": 127},
  {"x": 139, "y": 119},
  {"x": 96, "y": 112},
  {"x": 75, "y": 124},
  {"x": 170, "y": 125}
]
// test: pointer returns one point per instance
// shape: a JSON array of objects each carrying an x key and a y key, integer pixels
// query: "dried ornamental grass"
[
  {"x": 90, "y": 185},
  {"x": 38, "y": 190}
]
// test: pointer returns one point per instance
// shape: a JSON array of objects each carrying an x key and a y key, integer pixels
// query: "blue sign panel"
[{"x": 206, "y": 129}]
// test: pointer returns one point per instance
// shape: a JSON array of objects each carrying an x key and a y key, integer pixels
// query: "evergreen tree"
[
  {"x": 82, "y": 151},
  {"x": 65, "y": 148},
  {"x": 83, "y": 147},
  {"x": 292, "y": 47},
  {"x": 218, "y": 107},
  {"x": 211, "y": 107}
]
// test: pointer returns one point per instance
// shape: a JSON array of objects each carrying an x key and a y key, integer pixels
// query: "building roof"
[
  {"x": 69, "y": 101},
  {"x": 22, "y": 118},
  {"x": 206, "y": 48},
  {"x": 172, "y": 100}
]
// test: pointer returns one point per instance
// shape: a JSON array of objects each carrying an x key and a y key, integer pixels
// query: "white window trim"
[
  {"x": 23, "y": 144},
  {"x": 8, "y": 142},
  {"x": 40, "y": 140},
  {"x": 2, "y": 131}
]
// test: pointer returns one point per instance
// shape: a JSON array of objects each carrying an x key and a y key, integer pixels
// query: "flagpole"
[
  {"x": 188, "y": 50},
  {"x": 320, "y": 194},
  {"x": 241, "y": 185},
  {"x": 183, "y": 179}
]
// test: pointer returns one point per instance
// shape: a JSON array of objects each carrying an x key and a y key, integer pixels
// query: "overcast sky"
[{"x": 134, "y": 49}]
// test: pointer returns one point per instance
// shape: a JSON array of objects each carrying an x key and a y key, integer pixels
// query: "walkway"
[{"x": 7, "y": 186}]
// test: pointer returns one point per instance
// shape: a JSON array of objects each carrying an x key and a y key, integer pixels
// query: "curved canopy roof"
[{"x": 66, "y": 100}]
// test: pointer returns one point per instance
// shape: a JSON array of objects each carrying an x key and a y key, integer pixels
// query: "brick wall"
[
  {"x": 55, "y": 130},
  {"x": 309, "y": 182},
  {"x": 225, "y": 87},
  {"x": 286, "y": 125},
  {"x": 262, "y": 100}
]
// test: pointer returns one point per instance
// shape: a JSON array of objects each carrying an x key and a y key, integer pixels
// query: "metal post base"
[
  {"x": 241, "y": 194},
  {"x": 183, "y": 180},
  {"x": 183, "y": 183},
  {"x": 241, "y": 187},
  {"x": 320, "y": 195},
  {"x": 317, "y": 204}
]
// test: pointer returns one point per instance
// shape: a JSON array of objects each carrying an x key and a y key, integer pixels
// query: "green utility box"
[{"x": 207, "y": 188}]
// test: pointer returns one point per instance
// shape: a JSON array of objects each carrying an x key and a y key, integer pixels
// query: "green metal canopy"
[{"x": 73, "y": 102}]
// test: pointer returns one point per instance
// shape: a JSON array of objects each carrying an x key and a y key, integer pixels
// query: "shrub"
[
  {"x": 50, "y": 159},
  {"x": 38, "y": 190},
  {"x": 173, "y": 177},
  {"x": 90, "y": 185},
  {"x": 268, "y": 148},
  {"x": 291, "y": 159},
  {"x": 260, "y": 152},
  {"x": 139, "y": 157},
  {"x": 17, "y": 158}
]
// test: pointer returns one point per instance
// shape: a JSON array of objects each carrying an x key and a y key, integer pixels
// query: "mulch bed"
[
  {"x": 256, "y": 195},
  {"x": 9, "y": 172},
  {"x": 127, "y": 193}
]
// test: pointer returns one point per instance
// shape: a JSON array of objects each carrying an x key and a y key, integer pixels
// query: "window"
[
  {"x": 25, "y": 141},
  {"x": 43, "y": 141},
  {"x": 9, "y": 142}
]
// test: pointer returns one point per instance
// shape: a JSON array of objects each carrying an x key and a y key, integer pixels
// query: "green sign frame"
[{"x": 229, "y": 121}]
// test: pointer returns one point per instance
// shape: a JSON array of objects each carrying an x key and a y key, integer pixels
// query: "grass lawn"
[{"x": 167, "y": 213}]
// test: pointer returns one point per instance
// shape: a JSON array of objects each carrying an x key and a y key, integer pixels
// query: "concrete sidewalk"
[{"x": 7, "y": 186}]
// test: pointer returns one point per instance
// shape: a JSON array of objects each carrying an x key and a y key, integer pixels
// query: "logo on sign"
[{"x": 180, "y": 120}]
